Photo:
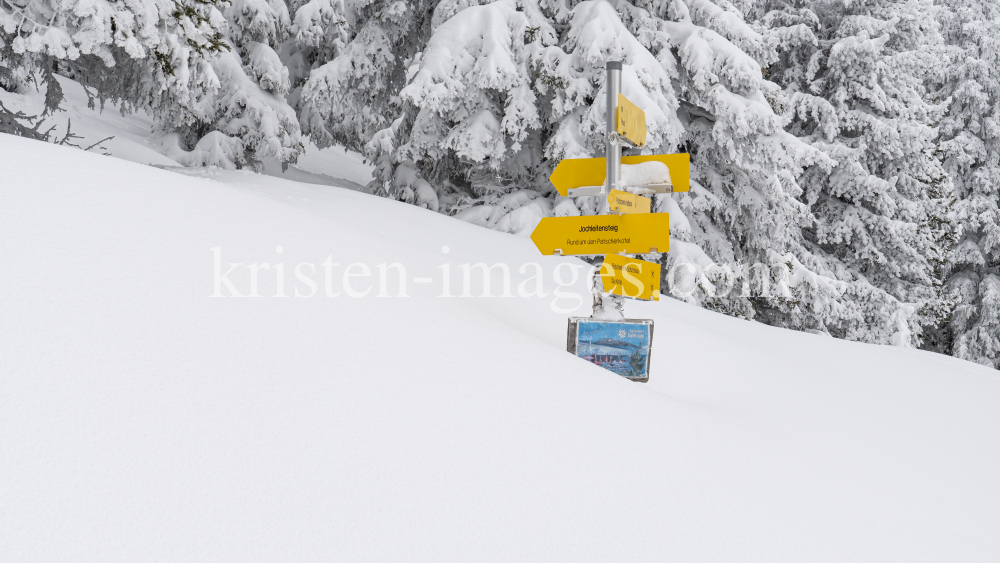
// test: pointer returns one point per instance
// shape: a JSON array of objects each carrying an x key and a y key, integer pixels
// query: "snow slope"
[{"x": 143, "y": 420}]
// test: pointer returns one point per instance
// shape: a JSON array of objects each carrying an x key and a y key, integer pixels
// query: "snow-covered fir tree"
[
  {"x": 320, "y": 30},
  {"x": 135, "y": 52},
  {"x": 205, "y": 70},
  {"x": 855, "y": 75},
  {"x": 245, "y": 119},
  {"x": 356, "y": 94},
  {"x": 971, "y": 145},
  {"x": 742, "y": 208}
]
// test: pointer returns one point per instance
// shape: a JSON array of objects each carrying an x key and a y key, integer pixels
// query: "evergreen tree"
[
  {"x": 971, "y": 144},
  {"x": 210, "y": 79},
  {"x": 356, "y": 94},
  {"x": 126, "y": 52},
  {"x": 855, "y": 75},
  {"x": 742, "y": 208},
  {"x": 245, "y": 118},
  {"x": 320, "y": 31}
]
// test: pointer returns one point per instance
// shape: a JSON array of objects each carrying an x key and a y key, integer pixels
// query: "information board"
[{"x": 622, "y": 346}]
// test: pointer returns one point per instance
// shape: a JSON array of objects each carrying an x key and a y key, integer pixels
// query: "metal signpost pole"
[
  {"x": 614, "y": 146},
  {"x": 613, "y": 157}
]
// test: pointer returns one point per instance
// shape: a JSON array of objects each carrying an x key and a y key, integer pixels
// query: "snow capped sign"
[
  {"x": 621, "y": 346},
  {"x": 572, "y": 174},
  {"x": 598, "y": 234},
  {"x": 631, "y": 121}
]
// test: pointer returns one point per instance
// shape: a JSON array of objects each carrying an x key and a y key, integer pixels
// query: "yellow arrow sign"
[
  {"x": 624, "y": 202},
  {"x": 574, "y": 173},
  {"x": 631, "y": 277},
  {"x": 599, "y": 234},
  {"x": 631, "y": 121}
]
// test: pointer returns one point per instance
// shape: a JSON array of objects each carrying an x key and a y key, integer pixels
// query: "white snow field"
[{"x": 143, "y": 420}]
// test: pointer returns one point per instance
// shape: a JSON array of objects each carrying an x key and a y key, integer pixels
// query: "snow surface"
[{"x": 142, "y": 420}]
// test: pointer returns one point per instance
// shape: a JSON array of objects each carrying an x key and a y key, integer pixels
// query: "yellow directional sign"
[
  {"x": 631, "y": 121},
  {"x": 624, "y": 202},
  {"x": 574, "y": 173},
  {"x": 631, "y": 277},
  {"x": 641, "y": 233}
]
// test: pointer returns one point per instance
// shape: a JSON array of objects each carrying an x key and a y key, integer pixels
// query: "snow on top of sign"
[{"x": 644, "y": 174}]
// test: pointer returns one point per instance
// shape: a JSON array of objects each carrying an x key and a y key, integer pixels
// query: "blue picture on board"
[{"x": 621, "y": 347}]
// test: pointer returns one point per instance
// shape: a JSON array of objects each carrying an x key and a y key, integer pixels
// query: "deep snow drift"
[{"x": 143, "y": 420}]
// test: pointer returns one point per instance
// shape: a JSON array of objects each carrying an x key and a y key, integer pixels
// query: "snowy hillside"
[{"x": 143, "y": 420}]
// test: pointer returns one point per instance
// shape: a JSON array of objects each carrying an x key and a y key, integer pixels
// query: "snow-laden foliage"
[
  {"x": 198, "y": 67},
  {"x": 246, "y": 114},
  {"x": 971, "y": 144},
  {"x": 854, "y": 76},
  {"x": 320, "y": 29},
  {"x": 142, "y": 53},
  {"x": 742, "y": 208},
  {"x": 351, "y": 98}
]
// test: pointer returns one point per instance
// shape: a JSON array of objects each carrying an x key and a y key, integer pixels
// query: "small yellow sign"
[
  {"x": 641, "y": 233},
  {"x": 574, "y": 173},
  {"x": 624, "y": 202},
  {"x": 631, "y": 277},
  {"x": 631, "y": 121}
]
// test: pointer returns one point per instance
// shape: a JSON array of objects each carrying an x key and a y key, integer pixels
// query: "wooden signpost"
[{"x": 626, "y": 226}]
